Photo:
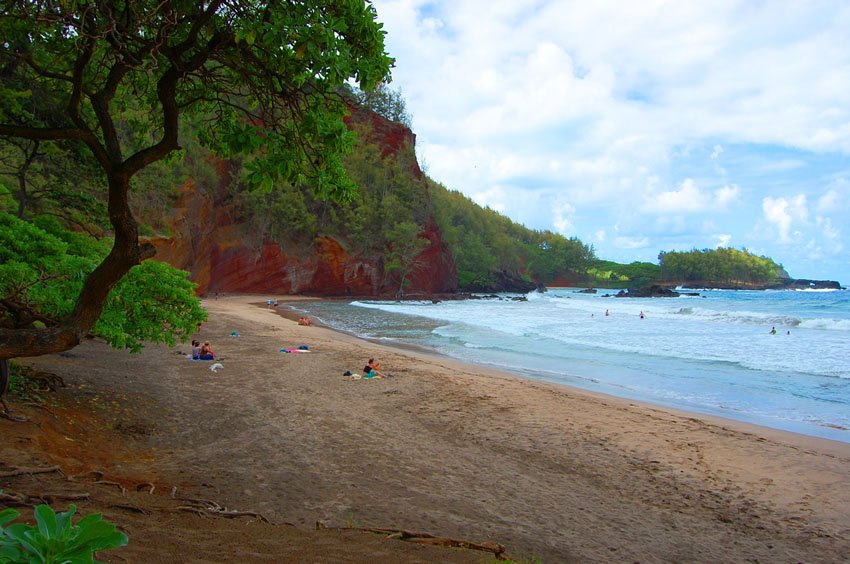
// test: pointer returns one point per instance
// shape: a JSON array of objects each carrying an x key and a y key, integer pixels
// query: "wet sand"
[{"x": 465, "y": 452}]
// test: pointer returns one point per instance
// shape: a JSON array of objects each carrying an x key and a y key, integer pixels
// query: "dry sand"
[{"x": 455, "y": 450}]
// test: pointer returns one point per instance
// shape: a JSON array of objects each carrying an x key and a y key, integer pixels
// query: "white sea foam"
[{"x": 817, "y": 290}]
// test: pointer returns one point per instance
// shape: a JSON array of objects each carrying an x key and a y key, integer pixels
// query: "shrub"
[{"x": 55, "y": 539}]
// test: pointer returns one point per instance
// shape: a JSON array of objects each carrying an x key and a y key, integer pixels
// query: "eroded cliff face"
[{"x": 212, "y": 242}]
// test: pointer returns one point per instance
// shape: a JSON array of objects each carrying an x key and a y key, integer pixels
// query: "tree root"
[
  {"x": 6, "y": 414},
  {"x": 40, "y": 406},
  {"x": 111, "y": 483},
  {"x": 205, "y": 506},
  {"x": 427, "y": 538},
  {"x": 10, "y": 499},
  {"x": 133, "y": 508},
  {"x": 50, "y": 498},
  {"x": 20, "y": 471},
  {"x": 234, "y": 514},
  {"x": 195, "y": 510},
  {"x": 98, "y": 475},
  {"x": 150, "y": 487}
]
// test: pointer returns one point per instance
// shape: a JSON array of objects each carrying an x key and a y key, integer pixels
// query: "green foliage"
[
  {"x": 153, "y": 303},
  {"x": 42, "y": 270},
  {"x": 55, "y": 539},
  {"x": 387, "y": 102},
  {"x": 387, "y": 195},
  {"x": 486, "y": 244},
  {"x": 611, "y": 274},
  {"x": 60, "y": 180},
  {"x": 724, "y": 266},
  {"x": 277, "y": 64},
  {"x": 100, "y": 88},
  {"x": 279, "y": 213},
  {"x": 404, "y": 246}
]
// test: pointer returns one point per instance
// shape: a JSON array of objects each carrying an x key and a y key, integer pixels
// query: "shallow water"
[{"x": 712, "y": 354}]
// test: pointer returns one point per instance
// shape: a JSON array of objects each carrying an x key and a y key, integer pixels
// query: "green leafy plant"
[{"x": 55, "y": 539}]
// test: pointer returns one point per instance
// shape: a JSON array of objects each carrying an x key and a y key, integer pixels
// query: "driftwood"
[{"x": 426, "y": 538}]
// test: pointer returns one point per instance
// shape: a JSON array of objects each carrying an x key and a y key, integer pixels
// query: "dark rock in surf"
[{"x": 654, "y": 291}]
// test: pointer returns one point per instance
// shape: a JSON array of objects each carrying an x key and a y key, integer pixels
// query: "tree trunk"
[
  {"x": 5, "y": 376},
  {"x": 126, "y": 253}
]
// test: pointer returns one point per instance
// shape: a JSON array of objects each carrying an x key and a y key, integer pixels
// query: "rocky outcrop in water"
[
  {"x": 805, "y": 284},
  {"x": 654, "y": 291}
]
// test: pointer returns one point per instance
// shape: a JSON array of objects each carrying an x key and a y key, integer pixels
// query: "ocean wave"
[
  {"x": 820, "y": 290},
  {"x": 740, "y": 317},
  {"x": 827, "y": 324}
]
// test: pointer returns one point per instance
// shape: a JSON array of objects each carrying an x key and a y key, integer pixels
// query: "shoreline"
[
  {"x": 743, "y": 424},
  {"x": 463, "y": 451}
]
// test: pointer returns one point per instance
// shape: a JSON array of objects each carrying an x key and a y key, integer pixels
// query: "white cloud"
[
  {"x": 601, "y": 102},
  {"x": 723, "y": 240},
  {"x": 829, "y": 202},
  {"x": 689, "y": 198},
  {"x": 830, "y": 233},
  {"x": 715, "y": 154},
  {"x": 725, "y": 195},
  {"x": 781, "y": 213},
  {"x": 562, "y": 219},
  {"x": 631, "y": 242}
]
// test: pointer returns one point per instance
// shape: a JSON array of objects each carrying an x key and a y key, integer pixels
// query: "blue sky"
[{"x": 640, "y": 126}]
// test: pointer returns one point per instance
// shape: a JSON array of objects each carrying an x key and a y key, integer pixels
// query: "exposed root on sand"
[
  {"x": 202, "y": 506},
  {"x": 427, "y": 538},
  {"x": 6, "y": 414},
  {"x": 20, "y": 471},
  {"x": 145, "y": 485},
  {"x": 12, "y": 499}
]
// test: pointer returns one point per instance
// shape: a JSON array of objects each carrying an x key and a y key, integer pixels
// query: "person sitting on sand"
[
  {"x": 196, "y": 350},
  {"x": 304, "y": 321},
  {"x": 374, "y": 365},
  {"x": 369, "y": 372},
  {"x": 207, "y": 352}
]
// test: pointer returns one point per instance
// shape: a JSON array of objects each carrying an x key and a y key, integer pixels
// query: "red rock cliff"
[{"x": 210, "y": 241}]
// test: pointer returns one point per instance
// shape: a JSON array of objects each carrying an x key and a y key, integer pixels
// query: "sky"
[{"x": 640, "y": 127}]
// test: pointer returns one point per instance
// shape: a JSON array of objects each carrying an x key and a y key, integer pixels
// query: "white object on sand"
[{"x": 216, "y": 366}]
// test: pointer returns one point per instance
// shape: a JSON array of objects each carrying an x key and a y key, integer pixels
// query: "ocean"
[{"x": 713, "y": 354}]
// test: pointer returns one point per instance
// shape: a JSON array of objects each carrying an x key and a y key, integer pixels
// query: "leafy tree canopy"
[
  {"x": 726, "y": 266},
  {"x": 115, "y": 78},
  {"x": 386, "y": 101},
  {"x": 42, "y": 269},
  {"x": 487, "y": 245}
]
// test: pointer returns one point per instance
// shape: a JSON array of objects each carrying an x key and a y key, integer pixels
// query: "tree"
[
  {"x": 387, "y": 102},
  {"x": 405, "y": 245},
  {"x": 43, "y": 267},
  {"x": 260, "y": 77}
]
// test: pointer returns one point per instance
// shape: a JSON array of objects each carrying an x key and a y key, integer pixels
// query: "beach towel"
[{"x": 301, "y": 349}]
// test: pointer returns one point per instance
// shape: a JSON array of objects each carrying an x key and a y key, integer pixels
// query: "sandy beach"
[{"x": 456, "y": 450}]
